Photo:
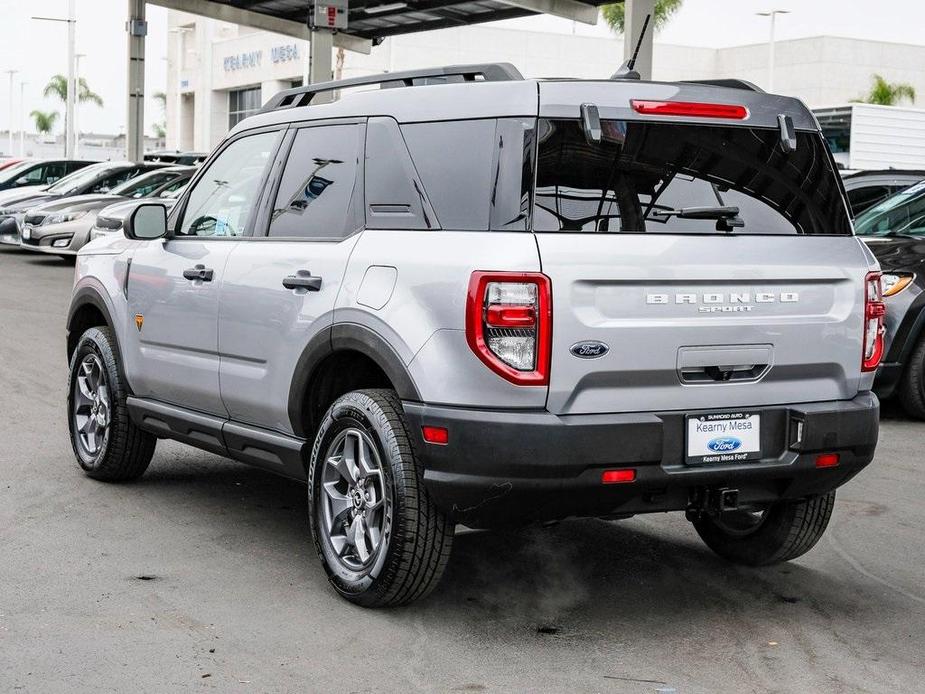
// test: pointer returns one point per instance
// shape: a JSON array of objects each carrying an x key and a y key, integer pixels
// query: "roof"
[
  {"x": 377, "y": 19},
  {"x": 509, "y": 96}
]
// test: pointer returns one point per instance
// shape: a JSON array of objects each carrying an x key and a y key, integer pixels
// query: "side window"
[
  {"x": 317, "y": 193},
  {"x": 222, "y": 200},
  {"x": 111, "y": 181},
  {"x": 34, "y": 176},
  {"x": 454, "y": 161},
  {"x": 866, "y": 197},
  {"x": 52, "y": 173}
]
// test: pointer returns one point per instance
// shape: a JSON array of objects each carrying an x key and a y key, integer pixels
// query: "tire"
[
  {"x": 912, "y": 385},
  {"x": 122, "y": 451},
  {"x": 380, "y": 538},
  {"x": 787, "y": 530}
]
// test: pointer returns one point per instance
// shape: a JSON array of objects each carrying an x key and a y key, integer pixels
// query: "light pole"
[
  {"x": 772, "y": 14},
  {"x": 22, "y": 118},
  {"x": 71, "y": 96},
  {"x": 11, "y": 73}
]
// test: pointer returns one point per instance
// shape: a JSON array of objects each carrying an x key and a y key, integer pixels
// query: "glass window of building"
[{"x": 243, "y": 103}]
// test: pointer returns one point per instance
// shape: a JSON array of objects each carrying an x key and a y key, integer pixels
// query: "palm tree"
[
  {"x": 160, "y": 127},
  {"x": 44, "y": 120},
  {"x": 613, "y": 14},
  {"x": 887, "y": 93},
  {"x": 57, "y": 87}
]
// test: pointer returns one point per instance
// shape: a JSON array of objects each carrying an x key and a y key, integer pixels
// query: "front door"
[{"x": 173, "y": 286}]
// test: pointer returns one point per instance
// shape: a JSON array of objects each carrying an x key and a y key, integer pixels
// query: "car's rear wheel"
[
  {"x": 912, "y": 385},
  {"x": 760, "y": 536},
  {"x": 380, "y": 537},
  {"x": 108, "y": 446}
]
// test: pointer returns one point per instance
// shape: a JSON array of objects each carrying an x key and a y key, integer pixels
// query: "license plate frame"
[{"x": 722, "y": 438}]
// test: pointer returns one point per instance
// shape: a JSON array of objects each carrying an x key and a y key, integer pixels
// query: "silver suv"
[{"x": 470, "y": 298}]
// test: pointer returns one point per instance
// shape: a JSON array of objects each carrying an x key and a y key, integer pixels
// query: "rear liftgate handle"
[{"x": 303, "y": 279}]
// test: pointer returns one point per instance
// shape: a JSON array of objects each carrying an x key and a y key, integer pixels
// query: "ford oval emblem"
[
  {"x": 589, "y": 349},
  {"x": 725, "y": 444}
]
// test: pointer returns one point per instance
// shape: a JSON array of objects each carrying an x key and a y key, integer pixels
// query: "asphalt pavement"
[{"x": 201, "y": 576}]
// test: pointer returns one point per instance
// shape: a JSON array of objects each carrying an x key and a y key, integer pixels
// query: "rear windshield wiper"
[{"x": 727, "y": 217}]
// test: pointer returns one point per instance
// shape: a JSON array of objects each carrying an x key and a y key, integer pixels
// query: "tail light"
[
  {"x": 874, "y": 311},
  {"x": 509, "y": 324}
]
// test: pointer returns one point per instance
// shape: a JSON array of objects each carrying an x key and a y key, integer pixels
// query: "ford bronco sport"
[{"x": 470, "y": 298}]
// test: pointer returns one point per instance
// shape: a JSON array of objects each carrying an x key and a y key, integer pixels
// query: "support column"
[
  {"x": 635, "y": 12},
  {"x": 319, "y": 66},
  {"x": 137, "y": 29}
]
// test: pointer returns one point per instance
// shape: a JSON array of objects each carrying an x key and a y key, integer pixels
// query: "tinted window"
[
  {"x": 454, "y": 162},
  {"x": 141, "y": 186},
  {"x": 672, "y": 178},
  {"x": 52, "y": 173},
  {"x": 861, "y": 199},
  {"x": 111, "y": 181},
  {"x": 903, "y": 213},
  {"x": 221, "y": 202},
  {"x": 74, "y": 183},
  {"x": 317, "y": 193}
]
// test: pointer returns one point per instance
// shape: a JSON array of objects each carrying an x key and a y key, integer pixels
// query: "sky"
[{"x": 37, "y": 48}]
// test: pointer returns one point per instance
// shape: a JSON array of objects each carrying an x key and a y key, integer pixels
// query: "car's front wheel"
[
  {"x": 779, "y": 532},
  {"x": 108, "y": 446},
  {"x": 380, "y": 537},
  {"x": 912, "y": 387}
]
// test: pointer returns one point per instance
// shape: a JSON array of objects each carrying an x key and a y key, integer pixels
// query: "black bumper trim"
[{"x": 508, "y": 467}]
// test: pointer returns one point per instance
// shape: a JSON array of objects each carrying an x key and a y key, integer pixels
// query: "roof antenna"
[{"x": 626, "y": 71}]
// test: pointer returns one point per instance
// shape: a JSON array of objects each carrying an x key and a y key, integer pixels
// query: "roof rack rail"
[
  {"x": 489, "y": 72},
  {"x": 730, "y": 83}
]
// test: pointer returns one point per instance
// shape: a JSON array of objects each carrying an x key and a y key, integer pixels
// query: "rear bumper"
[{"x": 512, "y": 467}]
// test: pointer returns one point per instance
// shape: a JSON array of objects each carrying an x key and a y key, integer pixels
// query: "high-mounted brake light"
[
  {"x": 874, "y": 311},
  {"x": 689, "y": 108},
  {"x": 509, "y": 324}
]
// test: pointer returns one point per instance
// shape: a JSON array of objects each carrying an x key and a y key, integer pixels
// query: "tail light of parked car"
[
  {"x": 874, "y": 311},
  {"x": 509, "y": 324}
]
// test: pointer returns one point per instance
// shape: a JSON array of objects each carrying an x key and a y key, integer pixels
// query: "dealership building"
[{"x": 219, "y": 73}]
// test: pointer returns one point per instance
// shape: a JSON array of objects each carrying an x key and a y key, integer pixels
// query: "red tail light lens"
[
  {"x": 509, "y": 324},
  {"x": 827, "y": 460},
  {"x": 689, "y": 108},
  {"x": 624, "y": 476},
  {"x": 436, "y": 435},
  {"x": 874, "y": 311}
]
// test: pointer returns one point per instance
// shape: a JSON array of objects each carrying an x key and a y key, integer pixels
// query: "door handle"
[
  {"x": 200, "y": 272},
  {"x": 303, "y": 280}
]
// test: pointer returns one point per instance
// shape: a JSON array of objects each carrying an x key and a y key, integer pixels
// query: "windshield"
[
  {"x": 70, "y": 185},
  {"x": 902, "y": 213},
  {"x": 673, "y": 178},
  {"x": 144, "y": 185}
]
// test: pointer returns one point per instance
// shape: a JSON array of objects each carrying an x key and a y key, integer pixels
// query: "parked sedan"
[
  {"x": 96, "y": 178},
  {"x": 62, "y": 227},
  {"x": 867, "y": 188},
  {"x": 32, "y": 172},
  {"x": 895, "y": 231},
  {"x": 111, "y": 219}
]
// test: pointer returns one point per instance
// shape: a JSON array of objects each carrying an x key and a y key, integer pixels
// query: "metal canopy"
[{"x": 378, "y": 19}]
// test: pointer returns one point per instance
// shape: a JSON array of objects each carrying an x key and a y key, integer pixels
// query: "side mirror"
[{"x": 148, "y": 221}]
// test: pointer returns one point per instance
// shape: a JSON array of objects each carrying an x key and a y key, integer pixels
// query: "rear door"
[
  {"x": 279, "y": 289},
  {"x": 695, "y": 265}
]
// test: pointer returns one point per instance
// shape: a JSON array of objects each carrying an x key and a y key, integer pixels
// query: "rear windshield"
[{"x": 673, "y": 178}]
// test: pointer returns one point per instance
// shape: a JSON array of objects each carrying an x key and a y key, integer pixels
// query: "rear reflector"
[
  {"x": 437, "y": 435},
  {"x": 618, "y": 476},
  {"x": 689, "y": 108},
  {"x": 827, "y": 460}
]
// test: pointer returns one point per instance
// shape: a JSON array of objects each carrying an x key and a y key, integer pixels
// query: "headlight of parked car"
[
  {"x": 895, "y": 282},
  {"x": 63, "y": 217}
]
